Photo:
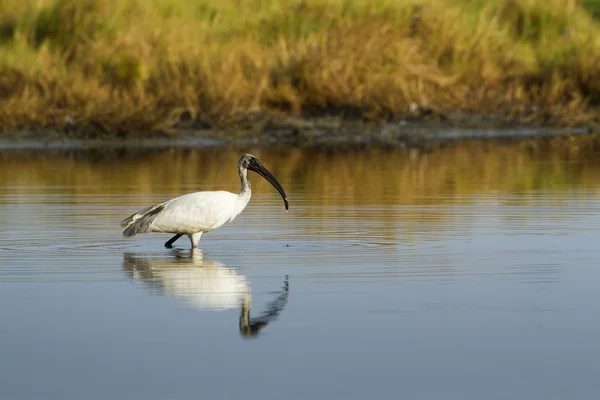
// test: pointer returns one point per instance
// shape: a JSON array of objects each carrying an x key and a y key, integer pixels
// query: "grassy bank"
[{"x": 127, "y": 66}]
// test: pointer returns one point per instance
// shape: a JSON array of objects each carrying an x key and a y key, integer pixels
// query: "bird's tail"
[{"x": 140, "y": 221}]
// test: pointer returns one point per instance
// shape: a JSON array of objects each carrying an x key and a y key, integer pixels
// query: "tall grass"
[{"x": 128, "y": 66}]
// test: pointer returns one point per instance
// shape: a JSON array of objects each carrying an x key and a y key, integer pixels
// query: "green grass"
[
  {"x": 135, "y": 65},
  {"x": 593, "y": 6}
]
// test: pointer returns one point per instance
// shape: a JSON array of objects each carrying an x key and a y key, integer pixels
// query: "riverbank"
[
  {"x": 324, "y": 132},
  {"x": 294, "y": 71}
]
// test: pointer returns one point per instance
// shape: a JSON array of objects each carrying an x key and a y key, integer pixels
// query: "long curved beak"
[{"x": 262, "y": 171}]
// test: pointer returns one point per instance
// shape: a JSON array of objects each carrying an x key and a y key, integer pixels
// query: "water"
[{"x": 465, "y": 273}]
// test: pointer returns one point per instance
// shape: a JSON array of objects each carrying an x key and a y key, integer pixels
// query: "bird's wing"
[
  {"x": 195, "y": 212},
  {"x": 140, "y": 221}
]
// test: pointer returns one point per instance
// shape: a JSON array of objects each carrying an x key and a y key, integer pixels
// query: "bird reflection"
[
  {"x": 251, "y": 327},
  {"x": 203, "y": 283}
]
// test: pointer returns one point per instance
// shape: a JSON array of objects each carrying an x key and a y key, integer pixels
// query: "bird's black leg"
[{"x": 169, "y": 244}]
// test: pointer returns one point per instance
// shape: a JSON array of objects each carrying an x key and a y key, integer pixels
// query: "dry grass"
[{"x": 124, "y": 67}]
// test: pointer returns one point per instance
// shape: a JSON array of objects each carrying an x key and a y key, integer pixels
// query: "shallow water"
[{"x": 466, "y": 273}]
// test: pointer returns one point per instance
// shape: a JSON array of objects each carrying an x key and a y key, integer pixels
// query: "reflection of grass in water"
[
  {"x": 133, "y": 65},
  {"x": 368, "y": 177}
]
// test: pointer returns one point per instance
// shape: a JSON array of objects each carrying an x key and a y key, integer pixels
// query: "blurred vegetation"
[
  {"x": 127, "y": 66},
  {"x": 593, "y": 6}
]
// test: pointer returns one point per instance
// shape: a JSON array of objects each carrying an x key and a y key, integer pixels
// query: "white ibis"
[{"x": 195, "y": 213}]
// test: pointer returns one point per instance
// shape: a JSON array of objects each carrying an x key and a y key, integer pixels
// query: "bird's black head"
[{"x": 250, "y": 162}]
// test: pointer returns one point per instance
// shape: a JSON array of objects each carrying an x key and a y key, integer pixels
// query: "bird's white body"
[{"x": 199, "y": 212}]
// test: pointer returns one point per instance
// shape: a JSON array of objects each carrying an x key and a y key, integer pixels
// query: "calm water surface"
[{"x": 465, "y": 273}]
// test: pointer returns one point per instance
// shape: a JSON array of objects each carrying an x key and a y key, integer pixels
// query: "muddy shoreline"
[{"x": 327, "y": 132}]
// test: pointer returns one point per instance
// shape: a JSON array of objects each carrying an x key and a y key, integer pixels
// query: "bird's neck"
[
  {"x": 245, "y": 183},
  {"x": 246, "y": 190}
]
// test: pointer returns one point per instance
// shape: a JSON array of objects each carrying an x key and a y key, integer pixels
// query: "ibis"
[{"x": 195, "y": 213}]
